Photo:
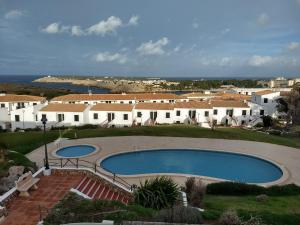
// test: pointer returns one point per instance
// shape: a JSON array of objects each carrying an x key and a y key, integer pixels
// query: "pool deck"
[{"x": 285, "y": 157}]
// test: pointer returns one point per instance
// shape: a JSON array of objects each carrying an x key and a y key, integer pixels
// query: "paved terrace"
[
  {"x": 25, "y": 210},
  {"x": 286, "y": 157}
]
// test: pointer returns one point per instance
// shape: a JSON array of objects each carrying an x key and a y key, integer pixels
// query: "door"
[
  {"x": 153, "y": 115},
  {"x": 110, "y": 116}
]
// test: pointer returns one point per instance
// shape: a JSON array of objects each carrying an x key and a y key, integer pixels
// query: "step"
[
  {"x": 93, "y": 189},
  {"x": 115, "y": 196},
  {"x": 81, "y": 187},
  {"x": 80, "y": 183},
  {"x": 109, "y": 195},
  {"x": 86, "y": 185},
  {"x": 100, "y": 192},
  {"x": 96, "y": 190},
  {"x": 104, "y": 193},
  {"x": 91, "y": 186}
]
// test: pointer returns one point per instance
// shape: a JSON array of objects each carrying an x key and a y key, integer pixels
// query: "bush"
[
  {"x": 230, "y": 217},
  {"x": 179, "y": 214},
  {"x": 158, "y": 193},
  {"x": 275, "y": 132},
  {"x": 262, "y": 198},
  {"x": 240, "y": 189},
  {"x": 195, "y": 191}
]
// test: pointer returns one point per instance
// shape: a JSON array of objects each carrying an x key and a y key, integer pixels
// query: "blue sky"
[{"x": 151, "y": 38}]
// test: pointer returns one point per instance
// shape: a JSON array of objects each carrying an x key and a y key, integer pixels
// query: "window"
[
  {"x": 262, "y": 112},
  {"x": 125, "y": 116},
  {"x": 167, "y": 115},
  {"x": 215, "y": 112},
  {"x": 76, "y": 118},
  {"x": 36, "y": 118},
  {"x": 139, "y": 114},
  {"x": 122, "y": 102},
  {"x": 34, "y": 103},
  {"x": 44, "y": 116},
  {"x": 246, "y": 92},
  {"x": 161, "y": 101},
  {"x": 265, "y": 100},
  {"x": 244, "y": 112},
  {"x": 2, "y": 105},
  {"x": 154, "y": 101},
  {"x": 60, "y": 117},
  {"x": 206, "y": 113},
  {"x": 95, "y": 116},
  {"x": 86, "y": 103},
  {"x": 229, "y": 112},
  {"x": 178, "y": 113},
  {"x": 17, "y": 118},
  {"x": 250, "y": 112},
  {"x": 130, "y": 102}
]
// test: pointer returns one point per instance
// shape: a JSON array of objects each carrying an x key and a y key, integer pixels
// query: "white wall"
[
  {"x": 161, "y": 116},
  {"x": 103, "y": 118}
]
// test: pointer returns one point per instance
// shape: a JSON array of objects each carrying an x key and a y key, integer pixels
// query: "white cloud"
[
  {"x": 263, "y": 19},
  {"x": 77, "y": 31},
  {"x": 14, "y": 14},
  {"x": 52, "y": 28},
  {"x": 104, "y": 27},
  {"x": 153, "y": 48},
  {"x": 258, "y": 60},
  {"x": 293, "y": 45},
  {"x": 111, "y": 57},
  {"x": 195, "y": 25},
  {"x": 133, "y": 21},
  {"x": 298, "y": 1},
  {"x": 225, "y": 31},
  {"x": 177, "y": 48}
]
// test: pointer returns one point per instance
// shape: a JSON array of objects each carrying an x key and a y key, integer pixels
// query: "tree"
[
  {"x": 267, "y": 121},
  {"x": 294, "y": 104},
  {"x": 158, "y": 193}
]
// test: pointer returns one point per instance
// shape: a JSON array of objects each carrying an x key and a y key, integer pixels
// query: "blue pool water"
[
  {"x": 224, "y": 165},
  {"x": 75, "y": 151}
]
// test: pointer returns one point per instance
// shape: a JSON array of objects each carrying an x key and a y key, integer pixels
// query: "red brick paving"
[{"x": 25, "y": 211}]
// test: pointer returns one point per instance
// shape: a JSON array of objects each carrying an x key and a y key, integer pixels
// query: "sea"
[{"x": 27, "y": 79}]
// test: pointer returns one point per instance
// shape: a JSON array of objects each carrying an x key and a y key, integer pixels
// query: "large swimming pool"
[
  {"x": 75, "y": 151},
  {"x": 216, "y": 164}
]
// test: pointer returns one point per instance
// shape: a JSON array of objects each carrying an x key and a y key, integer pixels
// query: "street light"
[{"x": 44, "y": 121}]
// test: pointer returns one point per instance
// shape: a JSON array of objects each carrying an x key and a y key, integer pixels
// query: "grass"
[
  {"x": 276, "y": 211},
  {"x": 25, "y": 142},
  {"x": 14, "y": 158}
]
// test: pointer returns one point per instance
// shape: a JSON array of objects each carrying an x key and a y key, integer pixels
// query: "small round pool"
[
  {"x": 75, "y": 151},
  {"x": 215, "y": 164}
]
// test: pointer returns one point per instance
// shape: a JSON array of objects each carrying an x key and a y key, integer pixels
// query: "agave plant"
[{"x": 157, "y": 193}]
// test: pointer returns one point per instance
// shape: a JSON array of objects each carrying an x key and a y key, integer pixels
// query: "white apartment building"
[
  {"x": 153, "y": 113},
  {"x": 19, "y": 111},
  {"x": 267, "y": 102},
  {"x": 64, "y": 115},
  {"x": 111, "y": 115},
  {"x": 124, "y": 98}
]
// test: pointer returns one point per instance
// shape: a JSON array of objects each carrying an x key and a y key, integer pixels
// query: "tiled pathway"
[{"x": 25, "y": 211}]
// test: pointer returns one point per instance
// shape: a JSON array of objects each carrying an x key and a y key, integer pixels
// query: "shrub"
[
  {"x": 158, "y": 193},
  {"x": 179, "y": 214},
  {"x": 262, "y": 198},
  {"x": 240, "y": 189},
  {"x": 229, "y": 217},
  {"x": 189, "y": 186},
  {"x": 195, "y": 191},
  {"x": 253, "y": 221}
]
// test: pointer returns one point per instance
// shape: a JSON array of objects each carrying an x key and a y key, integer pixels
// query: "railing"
[{"x": 79, "y": 163}]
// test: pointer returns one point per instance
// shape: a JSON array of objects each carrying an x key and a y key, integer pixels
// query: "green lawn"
[
  {"x": 277, "y": 210},
  {"x": 28, "y": 141}
]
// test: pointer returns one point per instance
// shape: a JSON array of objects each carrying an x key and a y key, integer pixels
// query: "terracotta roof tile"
[
  {"x": 265, "y": 92},
  {"x": 106, "y": 97},
  {"x": 155, "y": 106},
  {"x": 233, "y": 96},
  {"x": 193, "y": 105},
  {"x": 112, "y": 107},
  {"x": 20, "y": 98},
  {"x": 64, "y": 108},
  {"x": 229, "y": 104}
]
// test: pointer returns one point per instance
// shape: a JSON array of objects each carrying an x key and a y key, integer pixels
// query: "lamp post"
[{"x": 44, "y": 121}]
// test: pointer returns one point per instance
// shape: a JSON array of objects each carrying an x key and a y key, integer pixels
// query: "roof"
[
  {"x": 112, "y": 107},
  {"x": 155, "y": 106},
  {"x": 106, "y": 97},
  {"x": 64, "y": 108},
  {"x": 20, "y": 98},
  {"x": 265, "y": 92},
  {"x": 193, "y": 105},
  {"x": 228, "y": 104},
  {"x": 196, "y": 95},
  {"x": 285, "y": 93},
  {"x": 233, "y": 96}
]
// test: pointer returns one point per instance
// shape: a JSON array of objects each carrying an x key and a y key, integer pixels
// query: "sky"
[{"x": 185, "y": 38}]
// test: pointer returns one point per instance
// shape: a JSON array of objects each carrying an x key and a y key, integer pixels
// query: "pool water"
[
  {"x": 224, "y": 165},
  {"x": 75, "y": 151}
]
